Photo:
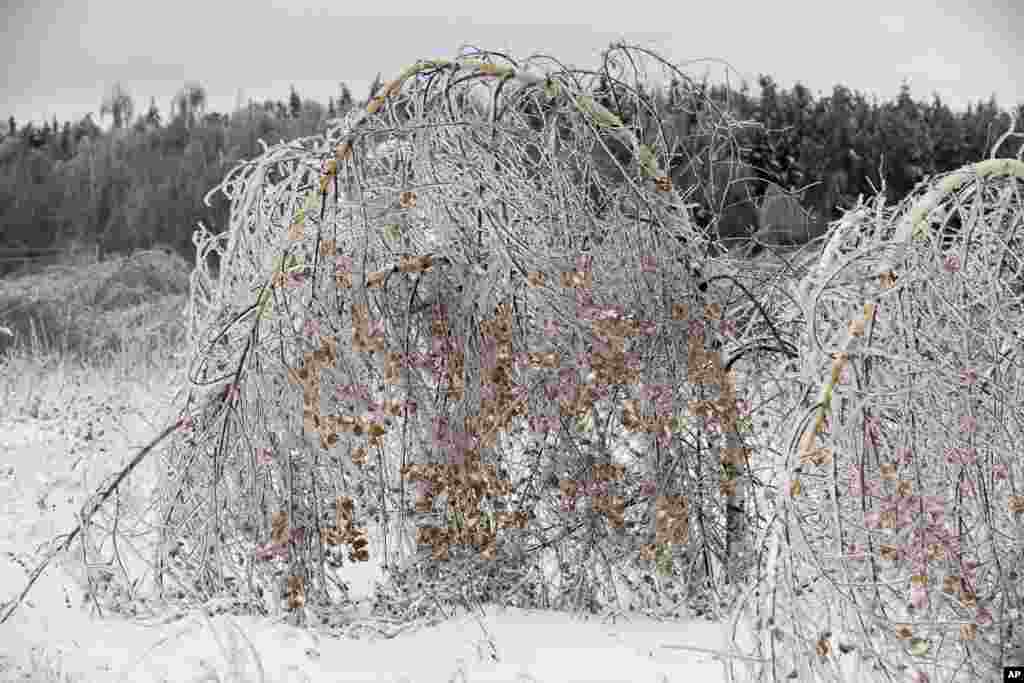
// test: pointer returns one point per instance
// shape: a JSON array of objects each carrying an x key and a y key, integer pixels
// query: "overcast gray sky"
[{"x": 63, "y": 57}]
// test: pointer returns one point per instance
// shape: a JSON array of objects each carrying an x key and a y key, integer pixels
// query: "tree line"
[{"x": 142, "y": 182}]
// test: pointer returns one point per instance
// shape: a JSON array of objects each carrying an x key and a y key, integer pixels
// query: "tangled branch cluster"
[
  {"x": 902, "y": 531},
  {"x": 438, "y": 265},
  {"x": 424, "y": 322}
]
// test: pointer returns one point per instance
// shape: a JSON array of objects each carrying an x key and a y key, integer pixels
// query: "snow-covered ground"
[{"x": 62, "y": 432}]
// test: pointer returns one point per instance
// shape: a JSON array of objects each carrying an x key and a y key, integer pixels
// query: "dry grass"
[
  {"x": 85, "y": 330},
  {"x": 127, "y": 308},
  {"x": 40, "y": 668}
]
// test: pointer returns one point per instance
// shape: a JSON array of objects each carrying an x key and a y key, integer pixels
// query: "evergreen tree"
[
  {"x": 65, "y": 140},
  {"x": 11, "y": 124},
  {"x": 189, "y": 102},
  {"x": 345, "y": 101},
  {"x": 86, "y": 128},
  {"x": 119, "y": 105},
  {"x": 153, "y": 114},
  {"x": 374, "y": 87},
  {"x": 294, "y": 103}
]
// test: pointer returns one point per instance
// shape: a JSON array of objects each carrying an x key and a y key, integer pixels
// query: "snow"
[
  {"x": 55, "y": 450},
  {"x": 528, "y": 647}
]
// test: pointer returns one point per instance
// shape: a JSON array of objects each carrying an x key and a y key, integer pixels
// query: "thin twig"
[{"x": 85, "y": 518}]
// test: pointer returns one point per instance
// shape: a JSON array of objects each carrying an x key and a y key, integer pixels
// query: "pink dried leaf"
[
  {"x": 919, "y": 596},
  {"x": 968, "y": 424},
  {"x": 264, "y": 456},
  {"x": 311, "y": 328}
]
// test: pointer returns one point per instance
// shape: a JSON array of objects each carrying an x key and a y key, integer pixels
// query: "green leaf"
[
  {"x": 648, "y": 162},
  {"x": 414, "y": 69},
  {"x": 663, "y": 560},
  {"x": 393, "y": 232},
  {"x": 310, "y": 205},
  {"x": 919, "y": 647},
  {"x": 455, "y": 520},
  {"x": 602, "y": 117},
  {"x": 433, "y": 64},
  {"x": 264, "y": 303},
  {"x": 312, "y": 202}
]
